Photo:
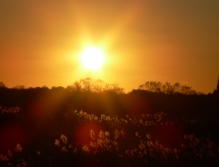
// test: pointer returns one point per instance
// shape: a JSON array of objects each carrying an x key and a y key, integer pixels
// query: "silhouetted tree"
[
  {"x": 167, "y": 88},
  {"x": 90, "y": 85},
  {"x": 2, "y": 85},
  {"x": 19, "y": 87},
  {"x": 114, "y": 88}
]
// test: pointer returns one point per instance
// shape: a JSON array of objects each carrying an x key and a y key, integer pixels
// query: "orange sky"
[{"x": 144, "y": 40}]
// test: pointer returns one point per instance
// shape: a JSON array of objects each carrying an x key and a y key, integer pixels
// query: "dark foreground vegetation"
[{"x": 75, "y": 126}]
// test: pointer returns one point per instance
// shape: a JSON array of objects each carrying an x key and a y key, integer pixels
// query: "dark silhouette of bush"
[
  {"x": 2, "y": 85},
  {"x": 95, "y": 86},
  {"x": 167, "y": 88}
]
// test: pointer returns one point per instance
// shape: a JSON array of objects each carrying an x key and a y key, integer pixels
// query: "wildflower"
[
  {"x": 148, "y": 136},
  {"x": 191, "y": 145},
  {"x": 141, "y": 146},
  {"x": 101, "y": 134},
  {"x": 196, "y": 142},
  {"x": 159, "y": 119},
  {"x": 9, "y": 153},
  {"x": 92, "y": 135},
  {"x": 140, "y": 121},
  {"x": 150, "y": 143},
  {"x": 64, "y": 149},
  {"x": 24, "y": 163},
  {"x": 116, "y": 134},
  {"x": 57, "y": 142},
  {"x": 95, "y": 118},
  {"x": 161, "y": 147},
  {"x": 123, "y": 132},
  {"x": 85, "y": 148},
  {"x": 129, "y": 152},
  {"x": 107, "y": 134},
  {"x": 137, "y": 134},
  {"x": 168, "y": 150},
  {"x": 210, "y": 144},
  {"x": 183, "y": 145},
  {"x": 3, "y": 158},
  {"x": 81, "y": 112},
  {"x": 157, "y": 142},
  {"x": 141, "y": 154},
  {"x": 191, "y": 137},
  {"x": 75, "y": 150},
  {"x": 64, "y": 139},
  {"x": 185, "y": 136},
  {"x": 108, "y": 118},
  {"x": 116, "y": 144},
  {"x": 93, "y": 144},
  {"x": 18, "y": 148},
  {"x": 100, "y": 142}
]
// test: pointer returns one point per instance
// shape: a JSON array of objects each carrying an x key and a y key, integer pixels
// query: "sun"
[{"x": 92, "y": 58}]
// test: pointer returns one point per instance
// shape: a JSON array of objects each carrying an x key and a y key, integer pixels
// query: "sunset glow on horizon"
[{"x": 41, "y": 42}]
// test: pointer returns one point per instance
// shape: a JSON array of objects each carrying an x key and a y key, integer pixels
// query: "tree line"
[{"x": 98, "y": 86}]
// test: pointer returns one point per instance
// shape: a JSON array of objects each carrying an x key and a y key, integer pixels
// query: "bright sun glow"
[{"x": 92, "y": 58}]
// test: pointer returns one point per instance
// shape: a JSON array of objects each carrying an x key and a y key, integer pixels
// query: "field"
[{"x": 50, "y": 135}]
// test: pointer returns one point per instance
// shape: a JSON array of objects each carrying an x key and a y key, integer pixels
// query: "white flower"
[{"x": 64, "y": 139}]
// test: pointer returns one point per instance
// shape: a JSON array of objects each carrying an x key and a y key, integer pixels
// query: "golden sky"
[{"x": 143, "y": 40}]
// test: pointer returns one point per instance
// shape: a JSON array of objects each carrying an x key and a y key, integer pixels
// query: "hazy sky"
[{"x": 143, "y": 40}]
